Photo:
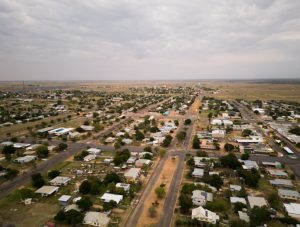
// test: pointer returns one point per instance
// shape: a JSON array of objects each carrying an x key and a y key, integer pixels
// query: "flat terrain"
[{"x": 253, "y": 91}]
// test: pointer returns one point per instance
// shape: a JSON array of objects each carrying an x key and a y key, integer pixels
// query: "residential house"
[
  {"x": 205, "y": 215},
  {"x": 96, "y": 219},
  {"x": 133, "y": 174},
  {"x": 47, "y": 190},
  {"x": 293, "y": 210},
  {"x": 60, "y": 181},
  {"x": 200, "y": 197},
  {"x": 256, "y": 201},
  {"x": 198, "y": 173},
  {"x": 107, "y": 197},
  {"x": 284, "y": 183},
  {"x": 288, "y": 194}
]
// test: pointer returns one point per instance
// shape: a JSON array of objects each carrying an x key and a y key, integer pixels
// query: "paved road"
[
  {"x": 134, "y": 217},
  {"x": 171, "y": 198},
  {"x": 20, "y": 180}
]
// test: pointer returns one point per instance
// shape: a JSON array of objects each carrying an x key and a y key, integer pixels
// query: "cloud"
[{"x": 139, "y": 39}]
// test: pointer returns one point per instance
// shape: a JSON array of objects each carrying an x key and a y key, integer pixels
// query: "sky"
[{"x": 149, "y": 40}]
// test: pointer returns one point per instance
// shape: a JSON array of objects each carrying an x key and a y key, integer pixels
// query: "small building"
[
  {"x": 198, "y": 173},
  {"x": 47, "y": 190},
  {"x": 272, "y": 164},
  {"x": 87, "y": 127},
  {"x": 94, "y": 151},
  {"x": 218, "y": 133},
  {"x": 127, "y": 141},
  {"x": 198, "y": 162},
  {"x": 125, "y": 186},
  {"x": 60, "y": 181},
  {"x": 60, "y": 131},
  {"x": 96, "y": 219},
  {"x": 256, "y": 201},
  {"x": 205, "y": 215},
  {"x": 243, "y": 216},
  {"x": 235, "y": 188},
  {"x": 25, "y": 159},
  {"x": 89, "y": 157},
  {"x": 64, "y": 200},
  {"x": 277, "y": 173},
  {"x": 131, "y": 160},
  {"x": 110, "y": 139},
  {"x": 72, "y": 207},
  {"x": 200, "y": 197},
  {"x": 293, "y": 210},
  {"x": 142, "y": 162},
  {"x": 107, "y": 197},
  {"x": 284, "y": 183},
  {"x": 249, "y": 164},
  {"x": 288, "y": 194},
  {"x": 237, "y": 200},
  {"x": 133, "y": 174}
]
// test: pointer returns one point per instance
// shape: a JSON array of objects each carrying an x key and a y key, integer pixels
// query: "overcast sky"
[{"x": 149, "y": 39}]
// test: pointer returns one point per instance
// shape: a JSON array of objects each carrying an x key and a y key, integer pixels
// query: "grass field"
[{"x": 252, "y": 91}]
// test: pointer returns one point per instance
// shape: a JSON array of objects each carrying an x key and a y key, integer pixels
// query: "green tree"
[
  {"x": 230, "y": 161},
  {"x": 62, "y": 146},
  {"x": 85, "y": 187},
  {"x": 160, "y": 192},
  {"x": 152, "y": 211},
  {"x": 9, "y": 149},
  {"x": 112, "y": 177},
  {"x": 42, "y": 151},
  {"x": 245, "y": 156},
  {"x": 185, "y": 203},
  {"x": 228, "y": 147},
  {"x": 187, "y": 121},
  {"x": 196, "y": 142},
  {"x": 259, "y": 216},
  {"x": 37, "y": 180},
  {"x": 84, "y": 203},
  {"x": 53, "y": 173},
  {"x": 139, "y": 136},
  {"x": 246, "y": 132}
]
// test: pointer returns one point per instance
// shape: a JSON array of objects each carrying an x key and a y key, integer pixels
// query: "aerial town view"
[{"x": 150, "y": 114}]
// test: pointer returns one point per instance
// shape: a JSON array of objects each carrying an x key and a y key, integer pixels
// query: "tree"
[
  {"x": 185, "y": 203},
  {"x": 139, "y": 136},
  {"x": 109, "y": 206},
  {"x": 152, "y": 211},
  {"x": 85, "y": 187},
  {"x": 251, "y": 178},
  {"x": 62, "y": 146},
  {"x": 160, "y": 192},
  {"x": 181, "y": 136},
  {"x": 274, "y": 200},
  {"x": 238, "y": 206},
  {"x": 60, "y": 216},
  {"x": 112, "y": 177},
  {"x": 11, "y": 173},
  {"x": 196, "y": 142},
  {"x": 176, "y": 122},
  {"x": 53, "y": 173},
  {"x": 73, "y": 217},
  {"x": 8, "y": 149},
  {"x": 42, "y": 151},
  {"x": 37, "y": 180},
  {"x": 214, "y": 180},
  {"x": 245, "y": 156},
  {"x": 201, "y": 153},
  {"x": 246, "y": 132},
  {"x": 259, "y": 216},
  {"x": 230, "y": 161},
  {"x": 228, "y": 147},
  {"x": 187, "y": 121},
  {"x": 162, "y": 152},
  {"x": 295, "y": 130},
  {"x": 148, "y": 149},
  {"x": 238, "y": 222},
  {"x": 84, "y": 203},
  {"x": 167, "y": 141}
]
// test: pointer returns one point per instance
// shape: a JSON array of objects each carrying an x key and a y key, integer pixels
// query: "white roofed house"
[
  {"x": 110, "y": 140},
  {"x": 25, "y": 159},
  {"x": 125, "y": 186},
  {"x": 133, "y": 174},
  {"x": 89, "y": 157},
  {"x": 288, "y": 194},
  {"x": 256, "y": 201},
  {"x": 218, "y": 133},
  {"x": 142, "y": 162},
  {"x": 234, "y": 200},
  {"x": 47, "y": 190},
  {"x": 131, "y": 160},
  {"x": 64, "y": 199},
  {"x": 277, "y": 173},
  {"x": 96, "y": 219},
  {"x": 205, "y": 215},
  {"x": 94, "y": 151},
  {"x": 293, "y": 210},
  {"x": 284, "y": 183},
  {"x": 235, "y": 188},
  {"x": 107, "y": 197},
  {"x": 127, "y": 141},
  {"x": 198, "y": 173},
  {"x": 87, "y": 127},
  {"x": 60, "y": 181},
  {"x": 200, "y": 197},
  {"x": 249, "y": 164},
  {"x": 198, "y": 162}
]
